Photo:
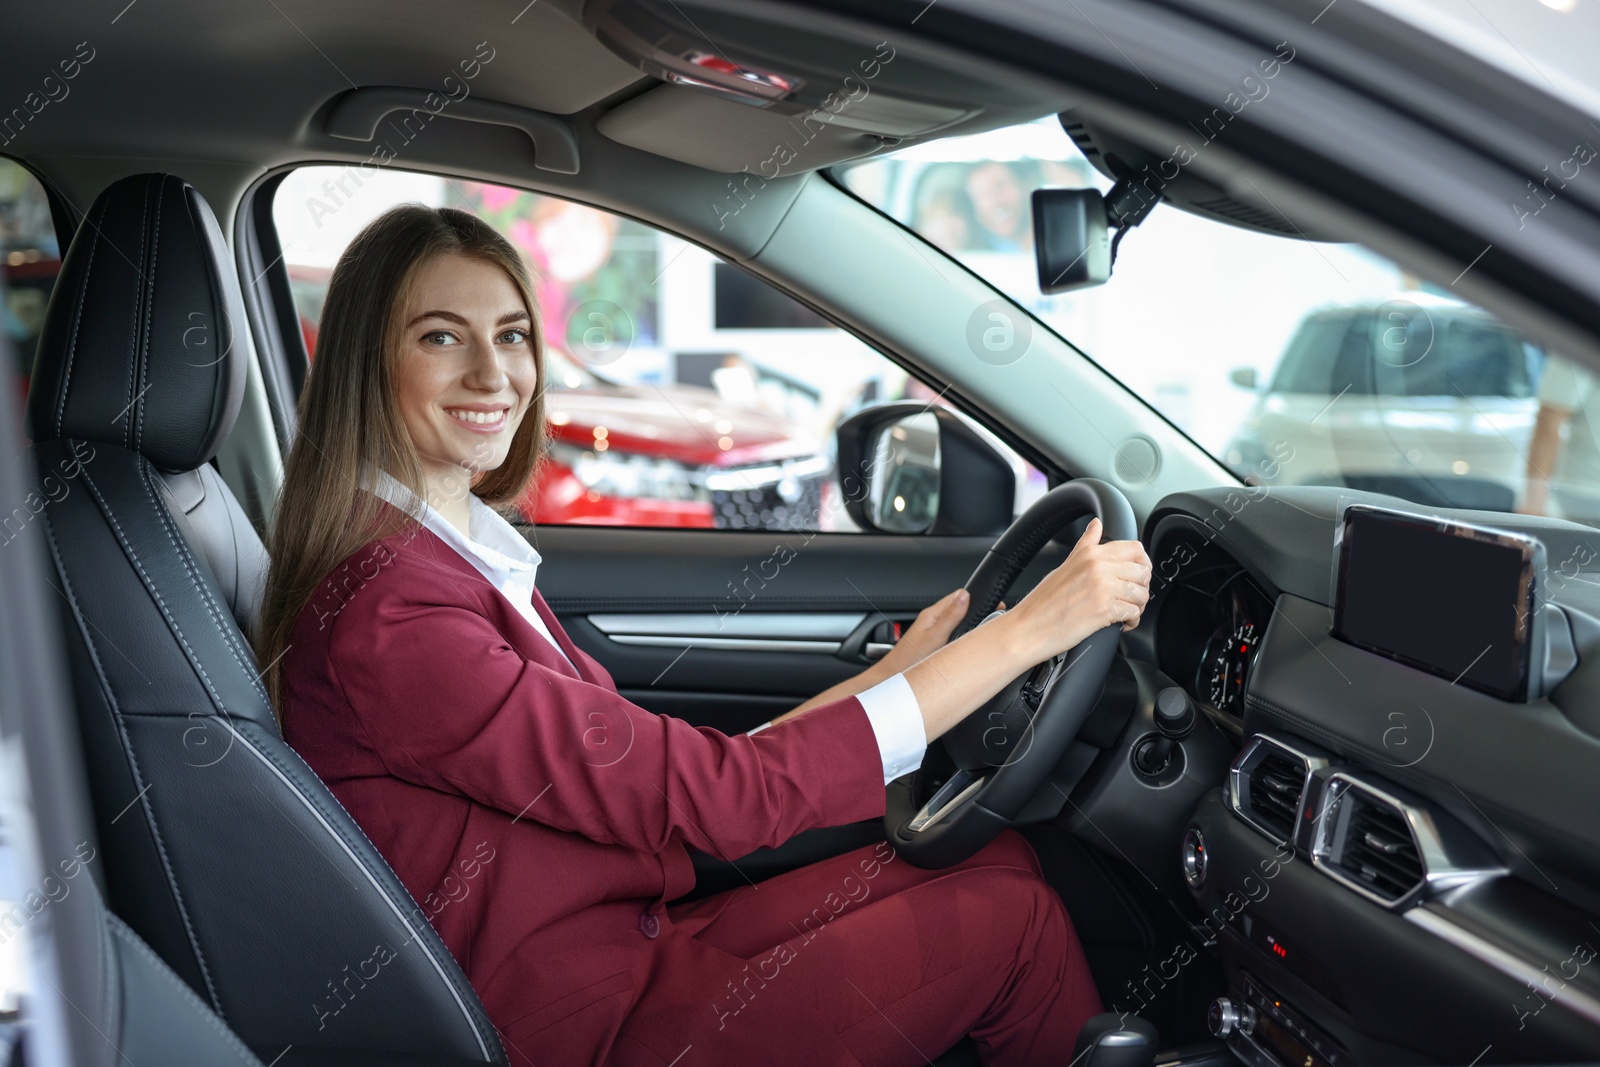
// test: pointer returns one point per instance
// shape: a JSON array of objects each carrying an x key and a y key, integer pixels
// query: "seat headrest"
[{"x": 144, "y": 341}]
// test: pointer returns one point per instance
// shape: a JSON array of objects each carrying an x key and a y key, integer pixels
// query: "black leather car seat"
[{"x": 219, "y": 846}]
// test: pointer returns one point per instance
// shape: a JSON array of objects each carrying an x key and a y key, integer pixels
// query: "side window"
[
  {"x": 681, "y": 391},
  {"x": 30, "y": 259}
]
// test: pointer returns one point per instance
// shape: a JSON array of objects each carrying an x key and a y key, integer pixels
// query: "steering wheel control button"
[
  {"x": 649, "y": 925},
  {"x": 950, "y": 796},
  {"x": 1194, "y": 858}
]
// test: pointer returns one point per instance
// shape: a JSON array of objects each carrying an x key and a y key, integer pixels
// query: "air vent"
[
  {"x": 1365, "y": 840},
  {"x": 1082, "y": 138},
  {"x": 1267, "y": 784},
  {"x": 1275, "y": 788}
]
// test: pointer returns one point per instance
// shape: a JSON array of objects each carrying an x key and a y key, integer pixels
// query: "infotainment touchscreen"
[{"x": 1445, "y": 597}]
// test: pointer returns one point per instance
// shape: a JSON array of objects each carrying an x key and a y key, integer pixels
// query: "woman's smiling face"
[{"x": 467, "y": 371}]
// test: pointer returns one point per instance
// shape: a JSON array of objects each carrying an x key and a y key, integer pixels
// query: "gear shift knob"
[{"x": 1113, "y": 1040}]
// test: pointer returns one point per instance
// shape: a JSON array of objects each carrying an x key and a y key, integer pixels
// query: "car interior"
[{"x": 1294, "y": 820}]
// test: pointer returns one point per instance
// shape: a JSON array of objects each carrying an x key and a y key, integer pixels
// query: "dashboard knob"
[
  {"x": 1174, "y": 713},
  {"x": 1226, "y": 1017}
]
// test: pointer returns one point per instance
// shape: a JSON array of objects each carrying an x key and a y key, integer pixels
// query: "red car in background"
[
  {"x": 649, "y": 455},
  {"x": 29, "y": 274}
]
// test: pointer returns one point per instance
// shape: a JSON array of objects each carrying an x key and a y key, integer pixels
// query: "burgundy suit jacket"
[{"x": 539, "y": 818}]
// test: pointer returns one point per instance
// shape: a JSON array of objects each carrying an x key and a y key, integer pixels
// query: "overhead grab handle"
[{"x": 356, "y": 115}]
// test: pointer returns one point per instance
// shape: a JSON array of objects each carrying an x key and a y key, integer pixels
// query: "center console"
[
  {"x": 1265, "y": 1030},
  {"x": 1357, "y": 922}
]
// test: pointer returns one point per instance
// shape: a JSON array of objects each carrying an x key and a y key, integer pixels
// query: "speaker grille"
[{"x": 1137, "y": 461}]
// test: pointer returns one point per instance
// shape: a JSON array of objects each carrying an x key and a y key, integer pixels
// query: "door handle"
[{"x": 877, "y": 634}]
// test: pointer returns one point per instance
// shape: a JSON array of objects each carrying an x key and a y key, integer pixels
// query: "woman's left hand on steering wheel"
[{"x": 930, "y": 632}]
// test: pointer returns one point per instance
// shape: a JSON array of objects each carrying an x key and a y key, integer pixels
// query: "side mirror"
[
  {"x": 1243, "y": 377},
  {"x": 910, "y": 468}
]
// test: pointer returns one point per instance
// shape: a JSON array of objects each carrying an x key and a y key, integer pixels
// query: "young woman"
[{"x": 540, "y": 818}]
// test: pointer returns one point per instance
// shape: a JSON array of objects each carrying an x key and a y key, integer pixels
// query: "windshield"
[{"x": 1291, "y": 361}]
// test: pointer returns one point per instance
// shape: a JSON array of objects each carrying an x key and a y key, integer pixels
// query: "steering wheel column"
[{"x": 1004, "y": 751}]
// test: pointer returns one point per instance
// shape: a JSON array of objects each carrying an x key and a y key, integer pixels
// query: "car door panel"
[
  {"x": 791, "y": 597},
  {"x": 685, "y": 587}
]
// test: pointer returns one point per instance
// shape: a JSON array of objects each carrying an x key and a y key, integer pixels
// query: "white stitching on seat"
[
  {"x": 139, "y": 291},
  {"x": 376, "y": 883},
  {"x": 127, "y": 744},
  {"x": 133, "y": 557},
  {"x": 249, "y": 746},
  {"x": 149, "y": 316},
  {"x": 224, "y": 621},
  {"x": 133, "y": 939},
  {"x": 77, "y": 321},
  {"x": 109, "y": 974}
]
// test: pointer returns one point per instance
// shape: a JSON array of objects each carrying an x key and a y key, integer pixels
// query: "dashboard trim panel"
[
  {"x": 1538, "y": 793},
  {"x": 1492, "y": 793},
  {"x": 1432, "y": 919}
]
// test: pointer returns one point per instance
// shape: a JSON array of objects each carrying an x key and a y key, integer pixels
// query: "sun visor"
[{"x": 704, "y": 130}]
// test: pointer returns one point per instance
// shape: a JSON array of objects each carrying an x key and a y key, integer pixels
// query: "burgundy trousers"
[{"x": 863, "y": 958}]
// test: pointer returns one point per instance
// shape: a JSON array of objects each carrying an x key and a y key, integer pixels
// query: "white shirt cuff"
[
  {"x": 758, "y": 729},
  {"x": 896, "y": 719}
]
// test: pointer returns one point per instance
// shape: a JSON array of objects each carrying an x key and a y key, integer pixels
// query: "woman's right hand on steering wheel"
[{"x": 1096, "y": 586}]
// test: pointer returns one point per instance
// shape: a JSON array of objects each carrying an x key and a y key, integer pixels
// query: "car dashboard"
[{"x": 1397, "y": 868}]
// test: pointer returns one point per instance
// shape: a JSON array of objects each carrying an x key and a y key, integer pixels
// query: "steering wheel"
[{"x": 1004, "y": 751}]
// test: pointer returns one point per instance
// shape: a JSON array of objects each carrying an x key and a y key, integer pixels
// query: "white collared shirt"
[
  {"x": 494, "y": 547},
  {"x": 504, "y": 557}
]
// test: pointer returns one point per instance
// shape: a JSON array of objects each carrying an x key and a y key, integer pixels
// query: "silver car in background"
[{"x": 1419, "y": 396}]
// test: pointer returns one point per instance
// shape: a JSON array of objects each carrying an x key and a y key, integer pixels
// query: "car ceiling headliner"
[
  {"x": 223, "y": 93},
  {"x": 191, "y": 79}
]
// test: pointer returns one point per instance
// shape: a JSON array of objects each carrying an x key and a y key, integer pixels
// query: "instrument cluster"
[{"x": 1212, "y": 617}]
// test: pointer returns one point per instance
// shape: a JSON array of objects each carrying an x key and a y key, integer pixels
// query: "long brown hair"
[{"x": 349, "y": 419}]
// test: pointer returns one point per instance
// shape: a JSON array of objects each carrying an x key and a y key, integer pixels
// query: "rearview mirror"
[
  {"x": 911, "y": 468},
  {"x": 1071, "y": 241},
  {"x": 1243, "y": 377}
]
